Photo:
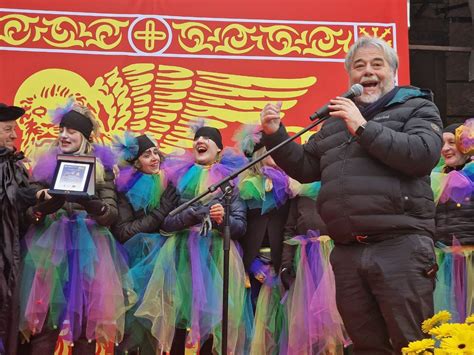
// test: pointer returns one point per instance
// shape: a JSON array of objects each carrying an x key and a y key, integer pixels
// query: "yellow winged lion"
[{"x": 160, "y": 100}]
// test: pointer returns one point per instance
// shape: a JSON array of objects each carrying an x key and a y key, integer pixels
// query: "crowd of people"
[{"x": 345, "y": 241}]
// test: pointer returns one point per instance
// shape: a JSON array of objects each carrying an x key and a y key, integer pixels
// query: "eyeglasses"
[{"x": 206, "y": 138}]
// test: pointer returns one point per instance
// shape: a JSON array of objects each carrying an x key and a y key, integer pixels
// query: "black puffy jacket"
[
  {"x": 455, "y": 219},
  {"x": 376, "y": 185},
  {"x": 131, "y": 222}
]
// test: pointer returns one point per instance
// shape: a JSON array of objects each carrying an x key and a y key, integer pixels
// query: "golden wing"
[
  {"x": 158, "y": 99},
  {"x": 163, "y": 100}
]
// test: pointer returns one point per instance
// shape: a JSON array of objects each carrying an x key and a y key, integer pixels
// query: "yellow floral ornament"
[
  {"x": 459, "y": 343},
  {"x": 419, "y": 347},
  {"x": 439, "y": 318},
  {"x": 448, "y": 338}
]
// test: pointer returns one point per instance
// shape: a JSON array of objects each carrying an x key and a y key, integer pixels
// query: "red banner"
[{"x": 153, "y": 66}]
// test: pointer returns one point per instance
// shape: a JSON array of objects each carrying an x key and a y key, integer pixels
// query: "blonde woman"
[{"x": 74, "y": 276}]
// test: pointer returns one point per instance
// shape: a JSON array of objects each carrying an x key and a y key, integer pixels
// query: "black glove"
[
  {"x": 287, "y": 276},
  {"x": 93, "y": 206},
  {"x": 168, "y": 202},
  {"x": 26, "y": 197},
  {"x": 46, "y": 207}
]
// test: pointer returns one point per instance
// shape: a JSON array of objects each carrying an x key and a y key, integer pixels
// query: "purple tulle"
[
  {"x": 198, "y": 287},
  {"x": 45, "y": 171},
  {"x": 175, "y": 166},
  {"x": 106, "y": 156},
  {"x": 457, "y": 187},
  {"x": 58, "y": 113},
  {"x": 230, "y": 161},
  {"x": 125, "y": 178},
  {"x": 314, "y": 322}
]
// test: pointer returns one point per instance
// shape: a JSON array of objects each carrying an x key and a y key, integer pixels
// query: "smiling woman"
[
  {"x": 74, "y": 279},
  {"x": 207, "y": 145},
  {"x": 453, "y": 188},
  {"x": 144, "y": 198}
]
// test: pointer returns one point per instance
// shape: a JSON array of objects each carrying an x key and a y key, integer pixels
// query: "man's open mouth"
[{"x": 369, "y": 83}]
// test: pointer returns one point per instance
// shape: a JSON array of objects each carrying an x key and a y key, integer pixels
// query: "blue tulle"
[
  {"x": 145, "y": 192},
  {"x": 444, "y": 293}
]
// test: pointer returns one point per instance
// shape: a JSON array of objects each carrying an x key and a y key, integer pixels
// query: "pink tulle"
[
  {"x": 456, "y": 187},
  {"x": 314, "y": 324}
]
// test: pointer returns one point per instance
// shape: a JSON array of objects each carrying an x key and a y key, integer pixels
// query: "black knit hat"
[
  {"x": 144, "y": 143},
  {"x": 10, "y": 113},
  {"x": 77, "y": 121},
  {"x": 211, "y": 133},
  {"x": 452, "y": 128}
]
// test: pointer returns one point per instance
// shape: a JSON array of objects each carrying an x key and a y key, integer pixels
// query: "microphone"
[{"x": 355, "y": 90}]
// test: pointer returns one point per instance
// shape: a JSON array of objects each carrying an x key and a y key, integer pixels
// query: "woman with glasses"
[
  {"x": 453, "y": 187},
  {"x": 183, "y": 299}
]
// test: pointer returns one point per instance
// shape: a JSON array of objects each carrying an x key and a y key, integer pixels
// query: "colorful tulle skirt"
[
  {"x": 305, "y": 319},
  {"x": 185, "y": 291},
  {"x": 142, "y": 250},
  {"x": 74, "y": 278},
  {"x": 455, "y": 280},
  {"x": 270, "y": 324},
  {"x": 314, "y": 323}
]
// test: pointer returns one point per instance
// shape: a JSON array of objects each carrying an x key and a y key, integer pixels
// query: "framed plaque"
[{"x": 74, "y": 175}]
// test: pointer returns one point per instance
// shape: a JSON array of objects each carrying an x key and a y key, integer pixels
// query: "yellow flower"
[
  {"x": 438, "y": 318},
  {"x": 418, "y": 346},
  {"x": 448, "y": 329},
  {"x": 460, "y": 342},
  {"x": 470, "y": 319}
]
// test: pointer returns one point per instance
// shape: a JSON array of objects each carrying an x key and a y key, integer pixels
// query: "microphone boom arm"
[{"x": 233, "y": 175}]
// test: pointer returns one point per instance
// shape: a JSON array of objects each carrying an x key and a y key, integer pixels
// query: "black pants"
[{"x": 382, "y": 292}]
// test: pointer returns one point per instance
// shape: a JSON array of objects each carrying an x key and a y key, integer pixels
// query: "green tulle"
[
  {"x": 168, "y": 301},
  {"x": 270, "y": 320}
]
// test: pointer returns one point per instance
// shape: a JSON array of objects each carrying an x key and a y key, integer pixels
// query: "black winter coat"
[
  {"x": 272, "y": 224},
  {"x": 378, "y": 184},
  {"x": 301, "y": 218},
  {"x": 13, "y": 176},
  {"x": 453, "y": 219},
  {"x": 131, "y": 222}
]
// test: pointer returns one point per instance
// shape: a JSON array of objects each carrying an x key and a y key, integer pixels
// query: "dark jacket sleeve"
[
  {"x": 106, "y": 192},
  {"x": 29, "y": 215},
  {"x": 130, "y": 223},
  {"x": 237, "y": 218},
  {"x": 185, "y": 219},
  {"x": 195, "y": 214},
  {"x": 415, "y": 151},
  {"x": 301, "y": 162}
]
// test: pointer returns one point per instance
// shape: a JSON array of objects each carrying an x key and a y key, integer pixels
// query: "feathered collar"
[
  {"x": 191, "y": 179},
  {"x": 143, "y": 191},
  {"x": 273, "y": 189}
]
